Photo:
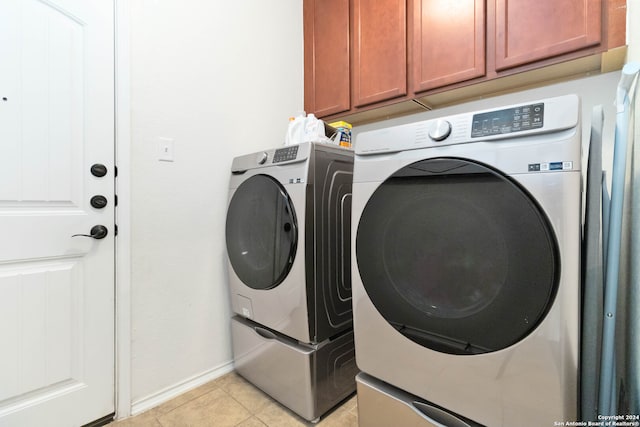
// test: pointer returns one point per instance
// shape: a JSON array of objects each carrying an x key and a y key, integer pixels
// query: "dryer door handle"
[
  {"x": 437, "y": 416},
  {"x": 264, "y": 333}
]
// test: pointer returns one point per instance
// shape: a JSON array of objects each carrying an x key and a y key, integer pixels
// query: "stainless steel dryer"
[
  {"x": 288, "y": 246},
  {"x": 466, "y": 275}
]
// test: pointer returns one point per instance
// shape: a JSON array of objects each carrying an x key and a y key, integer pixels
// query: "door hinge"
[
  {"x": 115, "y": 171},
  {"x": 115, "y": 200},
  {"x": 115, "y": 229}
]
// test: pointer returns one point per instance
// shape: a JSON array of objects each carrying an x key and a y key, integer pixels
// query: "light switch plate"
[{"x": 165, "y": 149}]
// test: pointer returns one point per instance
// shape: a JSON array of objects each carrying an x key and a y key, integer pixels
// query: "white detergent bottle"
[
  {"x": 313, "y": 129},
  {"x": 295, "y": 130}
]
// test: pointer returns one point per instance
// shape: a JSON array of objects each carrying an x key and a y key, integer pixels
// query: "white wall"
[{"x": 221, "y": 78}]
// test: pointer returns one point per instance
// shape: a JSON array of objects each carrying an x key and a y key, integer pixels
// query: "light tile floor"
[{"x": 231, "y": 401}]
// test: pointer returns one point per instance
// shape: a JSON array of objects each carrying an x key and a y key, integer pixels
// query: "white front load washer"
[{"x": 466, "y": 248}]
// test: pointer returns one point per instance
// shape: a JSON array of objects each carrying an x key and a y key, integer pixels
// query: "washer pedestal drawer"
[
  {"x": 308, "y": 379},
  {"x": 382, "y": 405}
]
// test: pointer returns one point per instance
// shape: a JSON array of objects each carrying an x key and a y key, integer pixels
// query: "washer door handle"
[{"x": 437, "y": 416}]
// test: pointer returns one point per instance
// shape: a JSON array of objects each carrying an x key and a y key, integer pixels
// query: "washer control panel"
[
  {"x": 516, "y": 119},
  {"x": 275, "y": 157},
  {"x": 285, "y": 154}
]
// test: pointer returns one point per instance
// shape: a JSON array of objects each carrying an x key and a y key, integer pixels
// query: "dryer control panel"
[
  {"x": 530, "y": 118},
  {"x": 517, "y": 119}
]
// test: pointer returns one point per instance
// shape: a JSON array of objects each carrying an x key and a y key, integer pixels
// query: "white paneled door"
[{"x": 56, "y": 290}]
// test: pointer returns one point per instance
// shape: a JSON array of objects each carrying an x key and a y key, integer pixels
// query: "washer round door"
[
  {"x": 261, "y": 232},
  {"x": 457, "y": 257}
]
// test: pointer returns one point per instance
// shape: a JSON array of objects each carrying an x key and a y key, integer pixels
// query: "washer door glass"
[
  {"x": 261, "y": 232},
  {"x": 457, "y": 257}
]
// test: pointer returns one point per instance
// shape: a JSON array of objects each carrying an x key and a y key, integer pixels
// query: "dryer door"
[
  {"x": 261, "y": 232},
  {"x": 457, "y": 257}
]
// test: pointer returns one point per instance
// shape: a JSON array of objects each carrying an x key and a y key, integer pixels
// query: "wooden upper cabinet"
[
  {"x": 527, "y": 31},
  {"x": 362, "y": 54},
  {"x": 326, "y": 56},
  {"x": 448, "y": 42},
  {"x": 379, "y": 50}
]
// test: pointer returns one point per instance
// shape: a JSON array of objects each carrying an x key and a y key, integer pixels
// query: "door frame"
[{"x": 122, "y": 147}]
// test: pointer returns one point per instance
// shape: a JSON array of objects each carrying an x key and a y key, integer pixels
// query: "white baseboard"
[{"x": 175, "y": 390}]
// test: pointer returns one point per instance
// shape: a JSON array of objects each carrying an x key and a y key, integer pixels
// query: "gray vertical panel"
[
  {"x": 333, "y": 177},
  {"x": 592, "y": 273},
  {"x": 335, "y": 372}
]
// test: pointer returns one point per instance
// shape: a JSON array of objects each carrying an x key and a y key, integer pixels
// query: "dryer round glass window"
[
  {"x": 457, "y": 256},
  {"x": 261, "y": 232}
]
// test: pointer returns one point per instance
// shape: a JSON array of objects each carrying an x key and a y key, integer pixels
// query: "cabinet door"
[
  {"x": 529, "y": 31},
  {"x": 326, "y": 56},
  {"x": 448, "y": 42},
  {"x": 379, "y": 50}
]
